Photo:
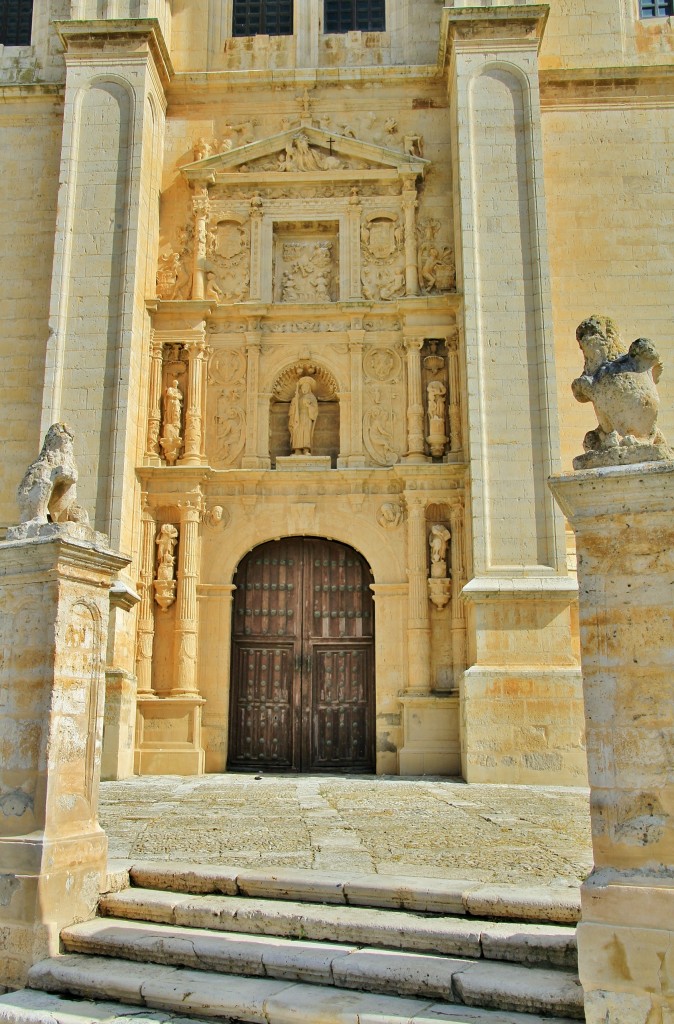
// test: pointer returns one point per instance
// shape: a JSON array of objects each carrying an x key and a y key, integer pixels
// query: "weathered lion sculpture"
[
  {"x": 48, "y": 491},
  {"x": 621, "y": 387}
]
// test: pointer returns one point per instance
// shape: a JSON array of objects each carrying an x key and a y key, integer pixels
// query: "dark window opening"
[
  {"x": 355, "y": 15},
  {"x": 263, "y": 17},
  {"x": 656, "y": 8},
  {"x": 16, "y": 18}
]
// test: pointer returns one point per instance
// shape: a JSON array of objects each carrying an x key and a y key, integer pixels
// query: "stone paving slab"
[{"x": 432, "y": 827}]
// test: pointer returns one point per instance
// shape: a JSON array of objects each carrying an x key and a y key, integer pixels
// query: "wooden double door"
[{"x": 302, "y": 675}]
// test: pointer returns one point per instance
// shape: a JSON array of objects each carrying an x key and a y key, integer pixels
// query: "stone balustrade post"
[
  {"x": 415, "y": 402},
  {"x": 409, "y": 204},
  {"x": 145, "y": 637},
  {"x": 193, "y": 451},
  {"x": 186, "y": 602},
  {"x": 623, "y": 519},
  {"x": 419, "y": 627}
]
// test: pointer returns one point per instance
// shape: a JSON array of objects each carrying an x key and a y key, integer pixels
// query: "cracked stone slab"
[
  {"x": 525, "y": 989},
  {"x": 32, "y": 1007}
]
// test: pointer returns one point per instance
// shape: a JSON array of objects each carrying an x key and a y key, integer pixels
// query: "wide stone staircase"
[{"x": 184, "y": 943}]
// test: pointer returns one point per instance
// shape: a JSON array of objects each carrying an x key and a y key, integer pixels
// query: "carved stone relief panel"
[
  {"x": 437, "y": 269},
  {"x": 306, "y": 262},
  {"x": 228, "y": 259},
  {"x": 383, "y": 430},
  {"x": 226, "y": 407},
  {"x": 382, "y": 237}
]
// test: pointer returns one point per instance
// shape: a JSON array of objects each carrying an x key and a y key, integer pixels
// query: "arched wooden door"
[{"x": 302, "y": 685}]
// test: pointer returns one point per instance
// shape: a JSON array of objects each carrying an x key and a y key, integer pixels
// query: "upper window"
[
  {"x": 656, "y": 8},
  {"x": 16, "y": 17},
  {"x": 361, "y": 15},
  {"x": 263, "y": 17}
]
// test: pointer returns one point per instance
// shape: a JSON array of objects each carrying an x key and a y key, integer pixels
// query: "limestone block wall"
[{"x": 29, "y": 160}]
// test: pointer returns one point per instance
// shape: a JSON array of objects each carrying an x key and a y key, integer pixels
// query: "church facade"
[{"x": 303, "y": 281}]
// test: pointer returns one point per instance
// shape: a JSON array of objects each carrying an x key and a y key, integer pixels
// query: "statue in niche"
[
  {"x": 438, "y": 540},
  {"x": 165, "y": 584},
  {"x": 171, "y": 439},
  {"x": 621, "y": 387},
  {"x": 302, "y": 417},
  {"x": 436, "y": 393},
  {"x": 48, "y": 490},
  {"x": 377, "y": 433}
]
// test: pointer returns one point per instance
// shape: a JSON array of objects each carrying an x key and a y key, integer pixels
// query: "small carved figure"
[
  {"x": 202, "y": 149},
  {"x": 213, "y": 290},
  {"x": 438, "y": 541},
  {"x": 302, "y": 417},
  {"x": 390, "y": 515},
  {"x": 48, "y": 490},
  {"x": 621, "y": 387},
  {"x": 171, "y": 439},
  {"x": 392, "y": 284},
  {"x": 377, "y": 432},
  {"x": 215, "y": 516},
  {"x": 165, "y": 584}
]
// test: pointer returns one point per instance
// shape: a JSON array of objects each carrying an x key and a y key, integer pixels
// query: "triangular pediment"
[{"x": 302, "y": 152}]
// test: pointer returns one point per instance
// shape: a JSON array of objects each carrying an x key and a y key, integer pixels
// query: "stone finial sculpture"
[
  {"x": 621, "y": 387},
  {"x": 48, "y": 492}
]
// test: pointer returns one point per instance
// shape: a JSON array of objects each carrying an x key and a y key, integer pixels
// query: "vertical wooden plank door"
[{"x": 302, "y": 687}]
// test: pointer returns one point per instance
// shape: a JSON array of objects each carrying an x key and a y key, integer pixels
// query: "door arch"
[{"x": 302, "y": 676}]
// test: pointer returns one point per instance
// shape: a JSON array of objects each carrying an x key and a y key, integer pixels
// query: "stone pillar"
[
  {"x": 522, "y": 703},
  {"x": 458, "y": 567},
  {"x": 409, "y": 203},
  {"x": 145, "y": 638},
  {"x": 54, "y": 606},
  {"x": 251, "y": 459},
  {"x": 152, "y": 453},
  {"x": 186, "y": 602},
  {"x": 193, "y": 451},
  {"x": 200, "y": 205},
  {"x": 419, "y": 626},
  {"x": 454, "y": 373},
  {"x": 415, "y": 402},
  {"x": 256, "y": 217},
  {"x": 353, "y": 215},
  {"x": 356, "y": 456},
  {"x": 623, "y": 519}
]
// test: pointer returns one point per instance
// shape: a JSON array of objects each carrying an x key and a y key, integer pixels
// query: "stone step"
[
  {"x": 401, "y": 973},
  {"x": 207, "y": 996},
  {"x": 559, "y": 904},
  {"x": 549, "y": 944},
  {"x": 32, "y": 1007}
]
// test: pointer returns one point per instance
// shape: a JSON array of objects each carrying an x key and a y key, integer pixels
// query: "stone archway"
[{"x": 302, "y": 669}]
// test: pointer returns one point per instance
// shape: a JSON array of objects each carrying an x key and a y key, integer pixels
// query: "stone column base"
[
  {"x": 523, "y": 725},
  {"x": 168, "y": 736},
  {"x": 430, "y": 735},
  {"x": 625, "y": 951}
]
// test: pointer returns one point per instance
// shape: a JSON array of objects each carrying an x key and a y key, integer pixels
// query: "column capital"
[
  {"x": 108, "y": 39},
  {"x": 413, "y": 343},
  {"x": 190, "y": 510}
]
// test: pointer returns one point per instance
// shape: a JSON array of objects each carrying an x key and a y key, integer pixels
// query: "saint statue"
[
  {"x": 438, "y": 541},
  {"x": 173, "y": 404},
  {"x": 302, "y": 417}
]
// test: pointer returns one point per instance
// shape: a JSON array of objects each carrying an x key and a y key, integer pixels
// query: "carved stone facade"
[{"x": 219, "y": 218}]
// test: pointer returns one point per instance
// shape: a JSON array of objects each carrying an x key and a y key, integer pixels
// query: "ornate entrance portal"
[{"x": 302, "y": 691}]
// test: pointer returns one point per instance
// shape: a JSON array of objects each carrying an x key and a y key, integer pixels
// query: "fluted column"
[
  {"x": 455, "y": 432},
  {"x": 256, "y": 213},
  {"x": 145, "y": 636},
  {"x": 186, "y": 603},
  {"x": 196, "y": 380},
  {"x": 353, "y": 214},
  {"x": 253, "y": 343},
  {"x": 356, "y": 457},
  {"x": 419, "y": 627},
  {"x": 409, "y": 202},
  {"x": 458, "y": 567},
  {"x": 152, "y": 453},
  {"x": 200, "y": 205},
  {"x": 415, "y": 404}
]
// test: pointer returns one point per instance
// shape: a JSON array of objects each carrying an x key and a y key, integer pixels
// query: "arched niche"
[{"x": 326, "y": 431}]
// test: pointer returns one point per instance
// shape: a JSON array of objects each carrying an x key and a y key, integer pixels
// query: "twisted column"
[
  {"x": 186, "y": 603},
  {"x": 409, "y": 203},
  {"x": 196, "y": 379},
  {"x": 418, "y": 626},
  {"x": 415, "y": 403},
  {"x": 145, "y": 635},
  {"x": 152, "y": 452}
]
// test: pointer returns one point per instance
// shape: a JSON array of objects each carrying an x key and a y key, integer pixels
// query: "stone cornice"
[
  {"x": 477, "y": 27},
  {"x": 12, "y": 92},
  {"x": 587, "y": 495},
  {"x": 577, "y": 88},
  {"x": 115, "y": 38}
]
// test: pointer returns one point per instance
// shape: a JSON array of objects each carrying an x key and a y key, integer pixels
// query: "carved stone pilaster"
[
  {"x": 455, "y": 438},
  {"x": 194, "y": 414},
  {"x": 145, "y": 634},
  {"x": 457, "y": 527},
  {"x": 251, "y": 455},
  {"x": 415, "y": 406},
  {"x": 419, "y": 630},
  {"x": 152, "y": 452},
  {"x": 356, "y": 337},
  {"x": 410, "y": 203},
  {"x": 186, "y": 603},
  {"x": 353, "y": 215},
  {"x": 201, "y": 206},
  {"x": 256, "y": 214}
]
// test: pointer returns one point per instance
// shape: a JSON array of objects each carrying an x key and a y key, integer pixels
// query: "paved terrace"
[{"x": 387, "y": 825}]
